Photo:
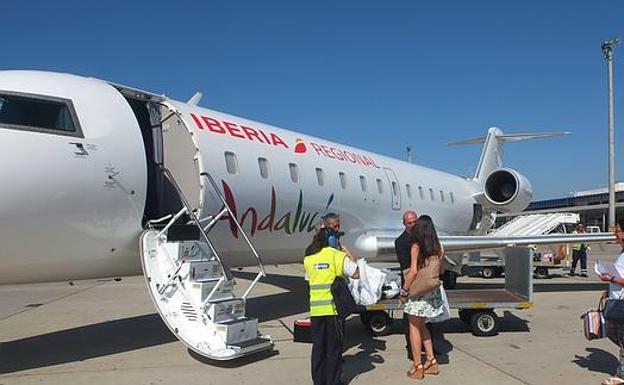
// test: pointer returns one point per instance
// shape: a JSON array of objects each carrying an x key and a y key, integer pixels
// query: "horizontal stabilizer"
[
  {"x": 492, "y": 153},
  {"x": 511, "y": 137}
]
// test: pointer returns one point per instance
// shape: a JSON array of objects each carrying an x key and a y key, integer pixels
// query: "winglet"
[{"x": 195, "y": 98}]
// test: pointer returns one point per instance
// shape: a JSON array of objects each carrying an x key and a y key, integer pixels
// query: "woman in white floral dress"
[{"x": 425, "y": 247}]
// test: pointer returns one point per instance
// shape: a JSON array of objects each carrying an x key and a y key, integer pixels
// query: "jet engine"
[{"x": 507, "y": 190}]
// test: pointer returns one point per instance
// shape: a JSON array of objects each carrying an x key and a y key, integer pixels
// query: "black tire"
[
  {"x": 541, "y": 272},
  {"x": 378, "y": 323},
  {"x": 499, "y": 271},
  {"x": 488, "y": 272},
  {"x": 484, "y": 323},
  {"x": 465, "y": 315}
]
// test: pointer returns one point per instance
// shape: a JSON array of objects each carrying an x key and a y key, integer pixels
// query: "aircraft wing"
[{"x": 383, "y": 242}]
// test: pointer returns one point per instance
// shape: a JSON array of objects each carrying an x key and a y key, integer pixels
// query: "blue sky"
[{"x": 378, "y": 75}]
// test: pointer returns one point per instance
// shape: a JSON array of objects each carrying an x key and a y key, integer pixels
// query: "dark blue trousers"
[{"x": 326, "y": 350}]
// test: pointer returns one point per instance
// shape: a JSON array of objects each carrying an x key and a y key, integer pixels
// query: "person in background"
[
  {"x": 579, "y": 252},
  {"x": 332, "y": 222},
  {"x": 402, "y": 247},
  {"x": 327, "y": 337},
  {"x": 615, "y": 330}
]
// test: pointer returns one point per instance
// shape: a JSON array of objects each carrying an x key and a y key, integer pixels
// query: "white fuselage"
[{"x": 72, "y": 206}]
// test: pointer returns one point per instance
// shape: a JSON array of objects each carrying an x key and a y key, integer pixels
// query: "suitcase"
[{"x": 302, "y": 331}]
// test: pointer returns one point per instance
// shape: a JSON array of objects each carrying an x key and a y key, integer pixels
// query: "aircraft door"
[
  {"x": 394, "y": 189},
  {"x": 180, "y": 154}
]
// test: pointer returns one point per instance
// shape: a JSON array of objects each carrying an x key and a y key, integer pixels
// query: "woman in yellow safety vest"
[{"x": 321, "y": 270}]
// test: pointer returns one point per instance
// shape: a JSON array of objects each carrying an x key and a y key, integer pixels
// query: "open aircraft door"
[
  {"x": 190, "y": 285},
  {"x": 394, "y": 188}
]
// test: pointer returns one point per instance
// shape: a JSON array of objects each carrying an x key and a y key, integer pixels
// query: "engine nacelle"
[{"x": 507, "y": 190}]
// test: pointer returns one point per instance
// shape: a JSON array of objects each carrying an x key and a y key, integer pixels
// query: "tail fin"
[{"x": 492, "y": 153}]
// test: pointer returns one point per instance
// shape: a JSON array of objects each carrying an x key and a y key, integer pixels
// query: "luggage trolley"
[
  {"x": 476, "y": 307},
  {"x": 492, "y": 267}
]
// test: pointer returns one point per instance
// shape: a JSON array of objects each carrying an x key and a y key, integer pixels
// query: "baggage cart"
[
  {"x": 476, "y": 308},
  {"x": 494, "y": 266}
]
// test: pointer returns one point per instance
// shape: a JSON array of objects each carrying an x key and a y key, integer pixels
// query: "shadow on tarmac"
[
  {"x": 83, "y": 342},
  {"x": 138, "y": 332},
  {"x": 276, "y": 306},
  {"x": 597, "y": 360}
]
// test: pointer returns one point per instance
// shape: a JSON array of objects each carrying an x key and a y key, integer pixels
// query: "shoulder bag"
[
  {"x": 428, "y": 277},
  {"x": 594, "y": 322},
  {"x": 345, "y": 304}
]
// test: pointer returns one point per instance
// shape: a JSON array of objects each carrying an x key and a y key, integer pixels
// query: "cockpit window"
[{"x": 37, "y": 114}]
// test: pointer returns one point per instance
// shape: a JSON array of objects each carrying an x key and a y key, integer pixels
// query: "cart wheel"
[
  {"x": 465, "y": 315},
  {"x": 541, "y": 272},
  {"x": 484, "y": 323},
  {"x": 488, "y": 272},
  {"x": 378, "y": 323}
]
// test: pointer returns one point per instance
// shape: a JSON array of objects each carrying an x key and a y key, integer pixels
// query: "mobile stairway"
[{"x": 193, "y": 289}]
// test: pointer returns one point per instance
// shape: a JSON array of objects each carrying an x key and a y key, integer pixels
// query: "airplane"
[{"x": 98, "y": 173}]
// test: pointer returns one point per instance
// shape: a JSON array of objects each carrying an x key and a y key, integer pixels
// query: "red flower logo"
[{"x": 300, "y": 147}]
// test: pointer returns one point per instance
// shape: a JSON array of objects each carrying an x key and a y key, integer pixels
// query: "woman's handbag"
[
  {"x": 428, "y": 277},
  {"x": 446, "y": 310},
  {"x": 594, "y": 326}
]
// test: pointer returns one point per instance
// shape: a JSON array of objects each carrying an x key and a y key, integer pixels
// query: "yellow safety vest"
[
  {"x": 576, "y": 246},
  {"x": 322, "y": 268}
]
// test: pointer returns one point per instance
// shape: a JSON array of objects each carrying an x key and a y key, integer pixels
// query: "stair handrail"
[
  {"x": 262, "y": 272},
  {"x": 191, "y": 213}
]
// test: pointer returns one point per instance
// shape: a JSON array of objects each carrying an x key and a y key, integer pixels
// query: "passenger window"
[
  {"x": 263, "y": 164},
  {"x": 294, "y": 172},
  {"x": 395, "y": 189},
  {"x": 408, "y": 188},
  {"x": 363, "y": 183},
  {"x": 231, "y": 163},
  {"x": 379, "y": 186},
  {"x": 319, "y": 176},
  {"x": 442, "y": 195},
  {"x": 452, "y": 198},
  {"x": 343, "y": 180},
  {"x": 421, "y": 193},
  {"x": 431, "y": 194},
  {"x": 38, "y": 113}
]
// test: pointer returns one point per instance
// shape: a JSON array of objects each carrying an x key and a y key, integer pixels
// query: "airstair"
[
  {"x": 192, "y": 286},
  {"x": 536, "y": 224}
]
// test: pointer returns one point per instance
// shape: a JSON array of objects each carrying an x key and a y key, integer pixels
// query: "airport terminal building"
[{"x": 591, "y": 205}]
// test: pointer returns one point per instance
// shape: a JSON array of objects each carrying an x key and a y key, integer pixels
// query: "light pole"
[{"x": 607, "y": 51}]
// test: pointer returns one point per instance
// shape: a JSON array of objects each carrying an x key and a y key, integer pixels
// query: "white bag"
[
  {"x": 446, "y": 311},
  {"x": 367, "y": 289}
]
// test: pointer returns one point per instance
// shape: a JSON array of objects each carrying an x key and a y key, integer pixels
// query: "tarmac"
[{"x": 108, "y": 332}]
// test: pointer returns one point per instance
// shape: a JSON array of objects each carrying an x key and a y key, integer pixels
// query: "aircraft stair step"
[
  {"x": 228, "y": 309},
  {"x": 256, "y": 344},
  {"x": 238, "y": 331}
]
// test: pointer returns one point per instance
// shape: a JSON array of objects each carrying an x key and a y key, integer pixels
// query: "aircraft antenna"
[{"x": 409, "y": 154}]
